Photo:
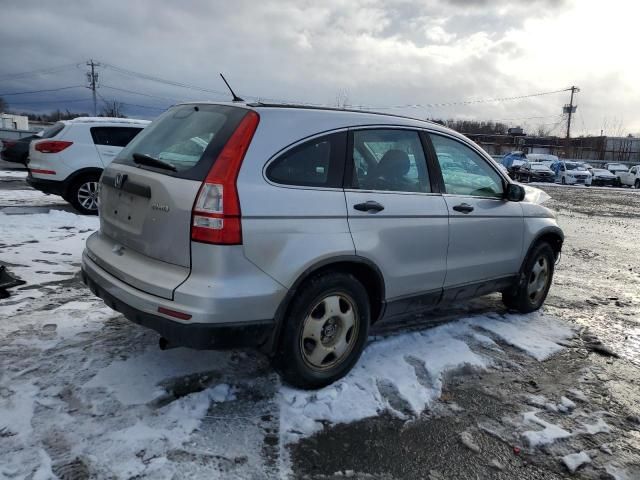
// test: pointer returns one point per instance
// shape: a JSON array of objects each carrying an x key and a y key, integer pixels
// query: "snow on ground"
[
  {"x": 13, "y": 174},
  {"x": 42, "y": 248},
  {"x": 82, "y": 388},
  {"x": 403, "y": 374},
  {"x": 17, "y": 198}
]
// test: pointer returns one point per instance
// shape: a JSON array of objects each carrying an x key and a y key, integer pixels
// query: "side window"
[
  {"x": 316, "y": 163},
  {"x": 633, "y": 170},
  {"x": 113, "y": 136},
  {"x": 464, "y": 171},
  {"x": 389, "y": 159}
]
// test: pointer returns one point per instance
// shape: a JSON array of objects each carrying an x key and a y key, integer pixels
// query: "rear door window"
[
  {"x": 114, "y": 136},
  {"x": 189, "y": 137},
  {"x": 389, "y": 159},
  {"x": 316, "y": 163}
]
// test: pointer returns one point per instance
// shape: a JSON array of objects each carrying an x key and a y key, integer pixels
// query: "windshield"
[
  {"x": 187, "y": 137},
  {"x": 574, "y": 166}
]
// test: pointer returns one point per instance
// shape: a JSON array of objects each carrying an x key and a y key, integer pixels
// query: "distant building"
[
  {"x": 14, "y": 122},
  {"x": 601, "y": 148}
]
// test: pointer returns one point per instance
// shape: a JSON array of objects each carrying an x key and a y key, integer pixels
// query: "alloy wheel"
[
  {"x": 538, "y": 279},
  {"x": 88, "y": 195},
  {"x": 329, "y": 331}
]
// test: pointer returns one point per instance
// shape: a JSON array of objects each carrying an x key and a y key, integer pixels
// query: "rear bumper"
[
  {"x": 142, "y": 308},
  {"x": 54, "y": 187},
  {"x": 604, "y": 182}
]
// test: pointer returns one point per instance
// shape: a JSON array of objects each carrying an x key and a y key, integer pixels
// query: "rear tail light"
[
  {"x": 52, "y": 146},
  {"x": 216, "y": 212}
]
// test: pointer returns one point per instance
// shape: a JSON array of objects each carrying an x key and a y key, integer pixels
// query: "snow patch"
[
  {"x": 535, "y": 334},
  {"x": 548, "y": 435},
  {"x": 576, "y": 460},
  {"x": 407, "y": 370}
]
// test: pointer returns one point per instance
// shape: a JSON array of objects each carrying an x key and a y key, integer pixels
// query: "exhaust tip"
[{"x": 163, "y": 343}]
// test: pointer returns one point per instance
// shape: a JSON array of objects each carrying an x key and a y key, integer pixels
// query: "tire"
[
  {"x": 563, "y": 181},
  {"x": 637, "y": 184},
  {"x": 83, "y": 194},
  {"x": 334, "y": 308},
  {"x": 531, "y": 290}
]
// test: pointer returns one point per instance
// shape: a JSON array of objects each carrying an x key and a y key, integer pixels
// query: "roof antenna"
[{"x": 235, "y": 97}]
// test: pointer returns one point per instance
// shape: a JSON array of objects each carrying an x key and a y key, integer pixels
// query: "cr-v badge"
[{"x": 162, "y": 208}]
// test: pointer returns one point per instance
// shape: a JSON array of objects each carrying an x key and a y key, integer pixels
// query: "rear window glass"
[
  {"x": 189, "y": 137},
  {"x": 114, "y": 136},
  {"x": 52, "y": 131}
]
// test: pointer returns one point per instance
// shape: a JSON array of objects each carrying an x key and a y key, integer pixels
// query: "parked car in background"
[
  {"x": 630, "y": 178},
  {"x": 16, "y": 151},
  {"x": 293, "y": 229},
  {"x": 513, "y": 161},
  {"x": 616, "y": 167},
  {"x": 571, "y": 173},
  {"x": 72, "y": 154},
  {"x": 535, "y": 172},
  {"x": 603, "y": 177}
]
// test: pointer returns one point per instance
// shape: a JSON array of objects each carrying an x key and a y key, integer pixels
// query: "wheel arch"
[
  {"x": 78, "y": 174},
  {"x": 552, "y": 235},
  {"x": 363, "y": 269}
]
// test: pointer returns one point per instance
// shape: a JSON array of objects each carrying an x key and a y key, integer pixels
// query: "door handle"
[
  {"x": 370, "y": 206},
  {"x": 463, "y": 208}
]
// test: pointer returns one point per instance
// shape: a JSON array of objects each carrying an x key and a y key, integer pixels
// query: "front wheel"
[
  {"x": 325, "y": 331},
  {"x": 637, "y": 184},
  {"x": 83, "y": 194},
  {"x": 534, "y": 281}
]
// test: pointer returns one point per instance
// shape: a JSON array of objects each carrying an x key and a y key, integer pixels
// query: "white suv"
[{"x": 71, "y": 155}]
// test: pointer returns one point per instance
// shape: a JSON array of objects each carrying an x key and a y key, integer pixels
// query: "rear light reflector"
[
  {"x": 52, "y": 146},
  {"x": 42, "y": 172},
  {"x": 216, "y": 212},
  {"x": 174, "y": 313}
]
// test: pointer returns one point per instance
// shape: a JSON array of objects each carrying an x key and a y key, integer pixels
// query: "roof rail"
[{"x": 125, "y": 121}]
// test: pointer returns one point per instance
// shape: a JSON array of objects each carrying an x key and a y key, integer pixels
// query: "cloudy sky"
[{"x": 383, "y": 54}]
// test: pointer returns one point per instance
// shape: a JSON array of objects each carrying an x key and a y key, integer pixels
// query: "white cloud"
[{"x": 378, "y": 52}]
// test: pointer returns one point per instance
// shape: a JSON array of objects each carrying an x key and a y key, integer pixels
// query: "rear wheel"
[
  {"x": 563, "y": 181},
  {"x": 534, "y": 281},
  {"x": 637, "y": 184},
  {"x": 325, "y": 331},
  {"x": 83, "y": 194}
]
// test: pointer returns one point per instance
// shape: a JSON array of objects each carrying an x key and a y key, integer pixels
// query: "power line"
[
  {"x": 64, "y": 100},
  {"x": 38, "y": 72},
  {"x": 138, "y": 93},
  {"x": 41, "y": 91},
  {"x": 162, "y": 80}
]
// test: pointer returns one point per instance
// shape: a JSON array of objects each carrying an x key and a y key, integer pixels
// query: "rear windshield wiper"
[{"x": 144, "y": 159}]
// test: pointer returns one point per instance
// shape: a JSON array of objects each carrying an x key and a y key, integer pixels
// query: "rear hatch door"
[{"x": 145, "y": 207}]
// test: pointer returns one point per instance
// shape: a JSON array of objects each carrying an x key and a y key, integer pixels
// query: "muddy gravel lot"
[{"x": 472, "y": 391}]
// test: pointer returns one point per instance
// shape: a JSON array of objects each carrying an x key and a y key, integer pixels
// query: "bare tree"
[
  {"x": 342, "y": 98},
  {"x": 112, "y": 108}
]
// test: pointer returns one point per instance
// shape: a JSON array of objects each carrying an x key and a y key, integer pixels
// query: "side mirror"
[{"x": 515, "y": 192}]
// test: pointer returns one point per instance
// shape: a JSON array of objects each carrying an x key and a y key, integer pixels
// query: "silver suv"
[{"x": 295, "y": 229}]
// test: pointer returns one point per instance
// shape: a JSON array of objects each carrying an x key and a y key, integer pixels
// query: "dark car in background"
[
  {"x": 535, "y": 172},
  {"x": 16, "y": 151}
]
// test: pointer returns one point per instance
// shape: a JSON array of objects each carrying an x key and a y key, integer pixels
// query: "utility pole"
[
  {"x": 570, "y": 109},
  {"x": 92, "y": 78}
]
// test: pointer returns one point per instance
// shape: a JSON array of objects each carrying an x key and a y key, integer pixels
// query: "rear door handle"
[
  {"x": 370, "y": 206},
  {"x": 463, "y": 208}
]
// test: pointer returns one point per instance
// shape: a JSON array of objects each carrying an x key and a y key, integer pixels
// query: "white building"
[{"x": 14, "y": 122}]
